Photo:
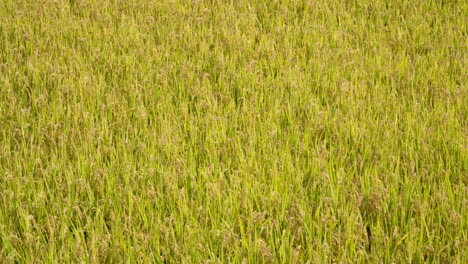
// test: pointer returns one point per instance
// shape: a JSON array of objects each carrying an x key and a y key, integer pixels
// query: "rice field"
[{"x": 233, "y": 131}]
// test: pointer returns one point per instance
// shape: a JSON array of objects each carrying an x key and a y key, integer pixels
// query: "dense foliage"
[{"x": 239, "y": 131}]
